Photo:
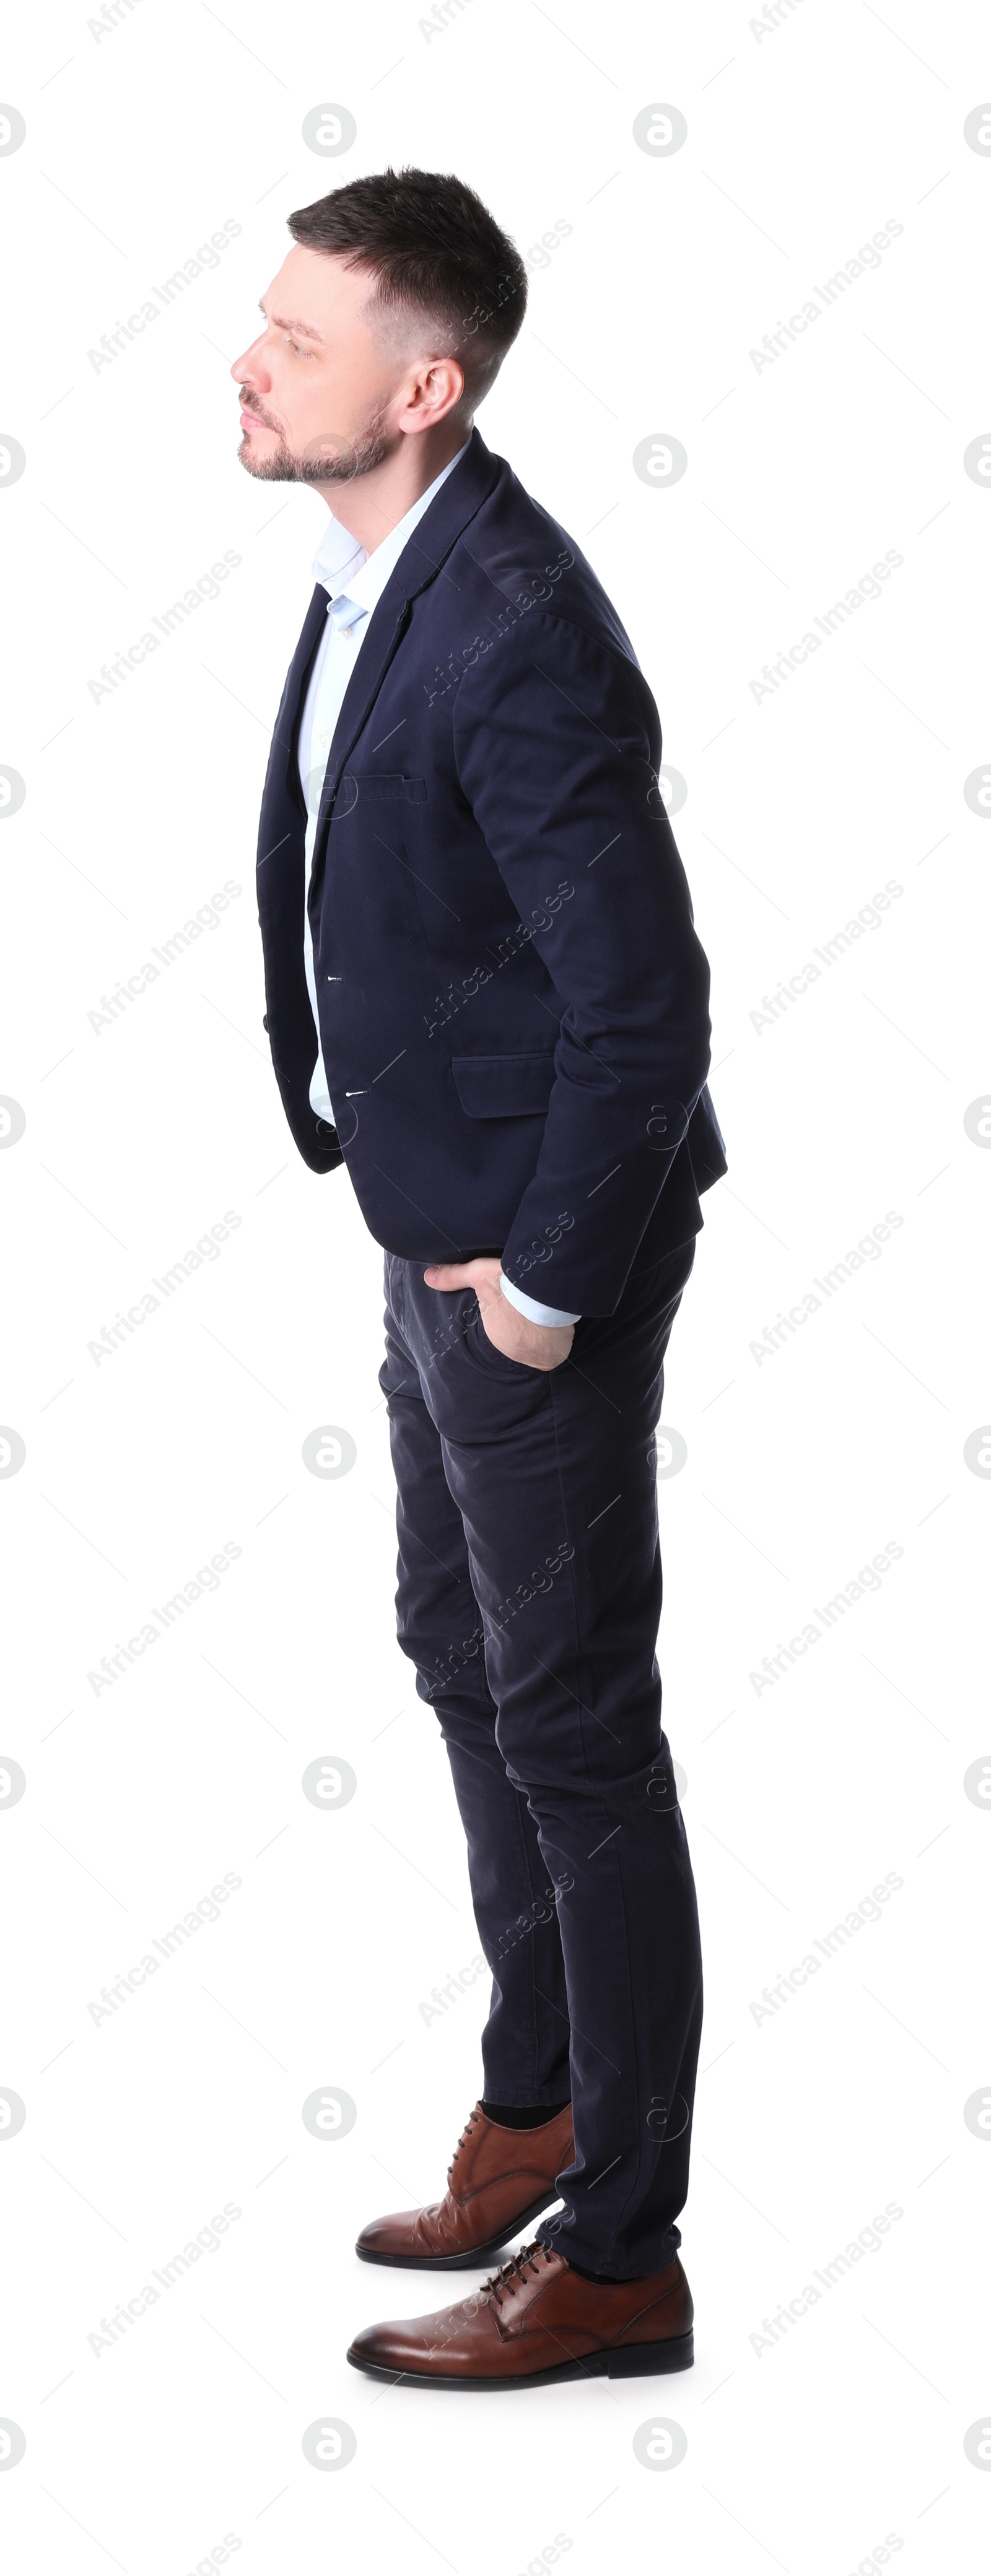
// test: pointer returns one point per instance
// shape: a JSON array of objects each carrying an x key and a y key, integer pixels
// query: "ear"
[{"x": 435, "y": 389}]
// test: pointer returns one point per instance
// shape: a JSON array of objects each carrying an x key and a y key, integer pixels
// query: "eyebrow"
[{"x": 305, "y": 327}]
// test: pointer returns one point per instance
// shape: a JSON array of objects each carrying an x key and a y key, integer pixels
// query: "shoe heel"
[{"x": 639, "y": 2360}]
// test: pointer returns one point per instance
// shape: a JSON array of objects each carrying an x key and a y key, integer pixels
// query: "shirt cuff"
[{"x": 528, "y": 1306}]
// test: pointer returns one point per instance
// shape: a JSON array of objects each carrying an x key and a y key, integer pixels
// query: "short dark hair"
[{"x": 432, "y": 250}]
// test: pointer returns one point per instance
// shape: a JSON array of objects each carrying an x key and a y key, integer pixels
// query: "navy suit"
[
  {"x": 513, "y": 1001},
  {"x": 514, "y": 1025}
]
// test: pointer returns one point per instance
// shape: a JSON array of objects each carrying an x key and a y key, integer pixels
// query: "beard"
[{"x": 330, "y": 458}]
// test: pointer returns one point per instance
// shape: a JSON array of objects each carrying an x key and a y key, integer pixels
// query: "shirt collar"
[{"x": 341, "y": 565}]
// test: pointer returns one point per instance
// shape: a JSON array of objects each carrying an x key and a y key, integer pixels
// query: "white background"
[{"x": 140, "y": 1135}]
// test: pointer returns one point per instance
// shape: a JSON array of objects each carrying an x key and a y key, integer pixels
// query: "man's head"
[{"x": 391, "y": 316}]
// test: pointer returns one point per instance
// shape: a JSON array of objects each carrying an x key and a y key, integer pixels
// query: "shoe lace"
[
  {"x": 511, "y": 2274},
  {"x": 466, "y": 2133}
]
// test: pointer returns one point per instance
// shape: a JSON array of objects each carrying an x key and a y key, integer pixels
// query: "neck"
[{"x": 374, "y": 503}]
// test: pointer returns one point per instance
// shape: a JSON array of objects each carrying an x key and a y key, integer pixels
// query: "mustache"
[{"x": 249, "y": 402}]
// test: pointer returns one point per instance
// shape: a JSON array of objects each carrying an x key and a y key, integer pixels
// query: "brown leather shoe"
[
  {"x": 498, "y": 2180},
  {"x": 534, "y": 2321}
]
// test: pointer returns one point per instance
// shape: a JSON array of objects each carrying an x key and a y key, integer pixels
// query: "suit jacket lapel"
[
  {"x": 283, "y": 756},
  {"x": 386, "y": 624},
  {"x": 421, "y": 560}
]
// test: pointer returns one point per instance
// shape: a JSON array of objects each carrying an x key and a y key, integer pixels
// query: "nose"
[{"x": 247, "y": 369}]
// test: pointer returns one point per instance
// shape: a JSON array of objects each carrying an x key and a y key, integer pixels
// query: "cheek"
[{"x": 305, "y": 401}]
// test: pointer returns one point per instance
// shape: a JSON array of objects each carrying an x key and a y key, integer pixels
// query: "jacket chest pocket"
[{"x": 379, "y": 787}]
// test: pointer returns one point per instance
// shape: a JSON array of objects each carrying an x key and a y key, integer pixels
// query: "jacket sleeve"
[{"x": 557, "y": 741}]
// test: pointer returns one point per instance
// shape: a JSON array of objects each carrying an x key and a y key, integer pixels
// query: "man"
[{"x": 485, "y": 996}]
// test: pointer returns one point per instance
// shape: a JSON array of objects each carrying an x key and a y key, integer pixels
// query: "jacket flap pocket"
[
  {"x": 503, "y": 1086},
  {"x": 379, "y": 786}
]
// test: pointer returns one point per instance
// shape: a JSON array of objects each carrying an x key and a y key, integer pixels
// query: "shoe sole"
[
  {"x": 460, "y": 2262},
  {"x": 626, "y": 2361}
]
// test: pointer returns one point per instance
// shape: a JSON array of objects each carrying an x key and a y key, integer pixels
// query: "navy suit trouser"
[{"x": 529, "y": 1599}]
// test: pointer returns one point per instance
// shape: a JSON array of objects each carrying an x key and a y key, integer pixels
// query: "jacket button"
[
  {"x": 265, "y": 1021},
  {"x": 326, "y": 1134}
]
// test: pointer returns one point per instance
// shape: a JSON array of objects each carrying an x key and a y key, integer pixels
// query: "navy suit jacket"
[{"x": 513, "y": 1000}]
